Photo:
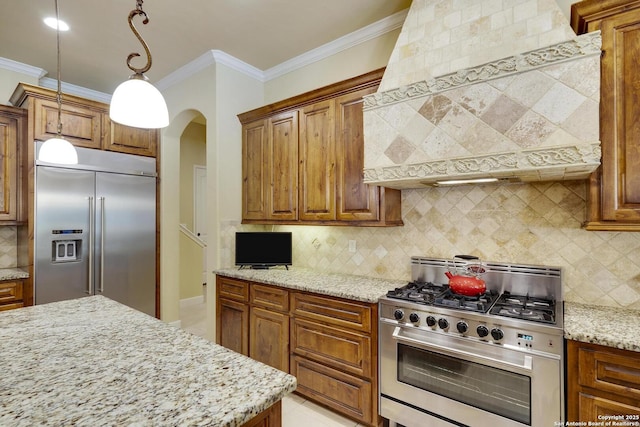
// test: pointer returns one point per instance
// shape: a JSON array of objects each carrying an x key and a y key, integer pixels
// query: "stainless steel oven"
[{"x": 442, "y": 366}]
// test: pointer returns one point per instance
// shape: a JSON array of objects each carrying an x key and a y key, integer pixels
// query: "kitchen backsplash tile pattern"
[
  {"x": 537, "y": 223},
  {"x": 8, "y": 247}
]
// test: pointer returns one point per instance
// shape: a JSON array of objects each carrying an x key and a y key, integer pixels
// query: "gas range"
[
  {"x": 448, "y": 359},
  {"x": 521, "y": 306}
]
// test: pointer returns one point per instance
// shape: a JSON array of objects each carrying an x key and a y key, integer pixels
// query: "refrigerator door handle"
[
  {"x": 91, "y": 230},
  {"x": 102, "y": 230}
]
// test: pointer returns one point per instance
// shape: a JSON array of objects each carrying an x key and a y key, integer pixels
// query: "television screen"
[{"x": 263, "y": 249}]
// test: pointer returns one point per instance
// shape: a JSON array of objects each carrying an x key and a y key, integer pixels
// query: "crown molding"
[
  {"x": 355, "y": 38},
  {"x": 19, "y": 67},
  {"x": 76, "y": 90}
]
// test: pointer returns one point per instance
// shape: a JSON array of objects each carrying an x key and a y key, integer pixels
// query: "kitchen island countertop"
[
  {"x": 608, "y": 326},
  {"x": 358, "y": 288},
  {"x": 93, "y": 362}
]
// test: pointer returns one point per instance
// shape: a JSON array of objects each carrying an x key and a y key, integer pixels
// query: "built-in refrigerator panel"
[
  {"x": 95, "y": 229},
  {"x": 63, "y": 218},
  {"x": 125, "y": 230}
]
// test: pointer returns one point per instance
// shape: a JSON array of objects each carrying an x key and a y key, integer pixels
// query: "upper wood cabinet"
[
  {"x": 614, "y": 189},
  {"x": 12, "y": 131},
  {"x": 303, "y": 159},
  {"x": 85, "y": 123}
]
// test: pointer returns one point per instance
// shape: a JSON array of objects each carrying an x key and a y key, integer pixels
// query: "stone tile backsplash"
[
  {"x": 537, "y": 223},
  {"x": 8, "y": 247}
]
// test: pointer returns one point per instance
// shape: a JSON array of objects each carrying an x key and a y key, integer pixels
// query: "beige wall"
[{"x": 8, "y": 82}]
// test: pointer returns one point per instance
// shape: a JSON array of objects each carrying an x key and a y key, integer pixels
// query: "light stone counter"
[
  {"x": 95, "y": 362},
  {"x": 609, "y": 326},
  {"x": 13, "y": 274},
  {"x": 357, "y": 288}
]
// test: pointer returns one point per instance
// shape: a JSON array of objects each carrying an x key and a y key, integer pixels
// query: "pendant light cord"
[{"x": 59, "y": 94}]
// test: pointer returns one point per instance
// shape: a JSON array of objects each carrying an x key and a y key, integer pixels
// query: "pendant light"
[
  {"x": 58, "y": 150},
  {"x": 136, "y": 102}
]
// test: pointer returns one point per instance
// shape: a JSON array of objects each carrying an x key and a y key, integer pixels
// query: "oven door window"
[{"x": 491, "y": 389}]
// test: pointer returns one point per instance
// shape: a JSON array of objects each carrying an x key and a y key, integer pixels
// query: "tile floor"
[{"x": 296, "y": 410}]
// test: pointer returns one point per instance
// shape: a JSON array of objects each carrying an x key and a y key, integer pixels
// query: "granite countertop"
[
  {"x": 95, "y": 362},
  {"x": 608, "y": 326},
  {"x": 13, "y": 274},
  {"x": 359, "y": 288}
]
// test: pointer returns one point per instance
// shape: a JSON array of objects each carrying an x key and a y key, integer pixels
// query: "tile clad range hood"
[{"x": 515, "y": 97}]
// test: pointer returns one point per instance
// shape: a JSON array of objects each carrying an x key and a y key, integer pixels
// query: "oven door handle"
[{"x": 526, "y": 365}]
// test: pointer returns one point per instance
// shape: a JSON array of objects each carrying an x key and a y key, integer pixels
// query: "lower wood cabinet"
[
  {"x": 602, "y": 381},
  {"x": 329, "y": 344},
  {"x": 11, "y": 295}
]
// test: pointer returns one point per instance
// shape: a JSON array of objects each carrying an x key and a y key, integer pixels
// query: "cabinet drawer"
[
  {"x": 232, "y": 288},
  {"x": 270, "y": 297},
  {"x": 10, "y": 292},
  {"x": 348, "y": 314},
  {"x": 597, "y": 406},
  {"x": 11, "y": 306},
  {"x": 610, "y": 372},
  {"x": 346, "y": 394},
  {"x": 81, "y": 126},
  {"x": 344, "y": 350}
]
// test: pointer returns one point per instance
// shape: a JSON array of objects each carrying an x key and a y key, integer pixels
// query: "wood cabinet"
[
  {"x": 269, "y": 326},
  {"x": 602, "y": 381},
  {"x": 334, "y": 353},
  {"x": 232, "y": 311},
  {"x": 85, "y": 123},
  {"x": 614, "y": 189},
  {"x": 329, "y": 344},
  {"x": 13, "y": 123},
  {"x": 303, "y": 161},
  {"x": 11, "y": 295},
  {"x": 269, "y": 168}
]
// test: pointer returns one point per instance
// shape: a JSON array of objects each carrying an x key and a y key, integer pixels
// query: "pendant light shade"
[
  {"x": 137, "y": 102},
  {"x": 57, "y": 150}
]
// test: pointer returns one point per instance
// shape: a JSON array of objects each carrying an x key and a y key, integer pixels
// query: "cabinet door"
[
  {"x": 255, "y": 177},
  {"x": 81, "y": 126},
  {"x": 269, "y": 338},
  {"x": 620, "y": 117},
  {"x": 317, "y": 162},
  {"x": 9, "y": 129},
  {"x": 125, "y": 139},
  {"x": 356, "y": 201},
  {"x": 232, "y": 325},
  {"x": 11, "y": 293},
  {"x": 347, "y": 394},
  {"x": 283, "y": 166}
]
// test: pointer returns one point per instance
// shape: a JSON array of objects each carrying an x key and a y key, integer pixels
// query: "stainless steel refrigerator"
[{"x": 95, "y": 229}]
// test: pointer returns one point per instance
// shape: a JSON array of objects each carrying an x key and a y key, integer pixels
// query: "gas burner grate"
[
  {"x": 525, "y": 307},
  {"x": 481, "y": 303},
  {"x": 419, "y": 292}
]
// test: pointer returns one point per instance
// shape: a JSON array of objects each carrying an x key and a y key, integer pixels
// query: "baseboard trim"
[{"x": 192, "y": 301}]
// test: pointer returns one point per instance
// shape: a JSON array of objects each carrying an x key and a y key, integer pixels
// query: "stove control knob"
[
  {"x": 497, "y": 334},
  {"x": 414, "y": 317},
  {"x": 398, "y": 314},
  {"x": 482, "y": 331},
  {"x": 443, "y": 323},
  {"x": 462, "y": 327},
  {"x": 431, "y": 321}
]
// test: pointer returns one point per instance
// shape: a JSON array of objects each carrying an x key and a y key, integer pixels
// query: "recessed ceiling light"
[{"x": 53, "y": 23}]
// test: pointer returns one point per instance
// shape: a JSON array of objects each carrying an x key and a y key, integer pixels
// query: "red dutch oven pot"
[{"x": 465, "y": 280}]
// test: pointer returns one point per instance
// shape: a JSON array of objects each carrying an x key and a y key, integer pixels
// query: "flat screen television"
[{"x": 263, "y": 249}]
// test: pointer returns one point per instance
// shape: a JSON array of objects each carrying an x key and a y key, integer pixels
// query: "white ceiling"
[{"x": 262, "y": 33}]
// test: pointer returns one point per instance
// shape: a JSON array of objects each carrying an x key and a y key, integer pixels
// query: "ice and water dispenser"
[{"x": 66, "y": 248}]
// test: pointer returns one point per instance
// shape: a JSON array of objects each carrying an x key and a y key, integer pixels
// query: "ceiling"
[{"x": 259, "y": 32}]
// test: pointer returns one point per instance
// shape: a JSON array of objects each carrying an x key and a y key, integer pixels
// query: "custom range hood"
[{"x": 474, "y": 91}]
